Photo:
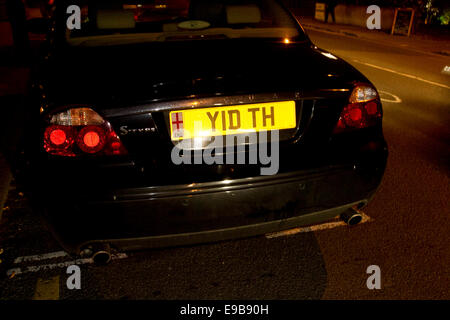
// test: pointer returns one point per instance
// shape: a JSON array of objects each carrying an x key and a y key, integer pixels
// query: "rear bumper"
[
  {"x": 216, "y": 235},
  {"x": 137, "y": 218}
]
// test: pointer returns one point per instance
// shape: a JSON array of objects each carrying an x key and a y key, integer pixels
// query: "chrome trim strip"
[
  {"x": 224, "y": 185},
  {"x": 200, "y": 103},
  {"x": 196, "y": 102}
]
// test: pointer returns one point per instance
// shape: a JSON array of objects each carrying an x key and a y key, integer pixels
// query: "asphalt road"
[
  {"x": 409, "y": 237},
  {"x": 406, "y": 235}
]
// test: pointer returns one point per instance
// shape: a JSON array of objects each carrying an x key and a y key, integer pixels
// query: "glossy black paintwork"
[
  {"x": 120, "y": 75},
  {"x": 143, "y": 194}
]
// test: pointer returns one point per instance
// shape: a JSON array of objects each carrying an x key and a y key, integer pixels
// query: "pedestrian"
[
  {"x": 16, "y": 15},
  {"x": 330, "y": 5}
]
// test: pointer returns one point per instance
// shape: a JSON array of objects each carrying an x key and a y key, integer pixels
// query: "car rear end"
[
  {"x": 131, "y": 189},
  {"x": 108, "y": 170}
]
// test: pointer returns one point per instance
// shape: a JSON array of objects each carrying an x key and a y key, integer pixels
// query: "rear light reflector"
[
  {"x": 114, "y": 146},
  {"x": 79, "y": 131}
]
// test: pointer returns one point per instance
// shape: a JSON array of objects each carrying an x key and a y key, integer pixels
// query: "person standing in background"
[{"x": 330, "y": 5}]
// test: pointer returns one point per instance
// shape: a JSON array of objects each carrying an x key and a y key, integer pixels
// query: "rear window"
[{"x": 115, "y": 22}]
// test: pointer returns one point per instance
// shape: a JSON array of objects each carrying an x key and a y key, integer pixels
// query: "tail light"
[
  {"x": 362, "y": 111},
  {"x": 80, "y": 131}
]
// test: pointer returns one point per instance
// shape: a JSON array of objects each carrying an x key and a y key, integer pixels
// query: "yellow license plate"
[{"x": 219, "y": 121}]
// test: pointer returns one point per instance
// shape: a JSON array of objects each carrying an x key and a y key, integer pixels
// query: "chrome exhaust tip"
[
  {"x": 351, "y": 217},
  {"x": 102, "y": 253}
]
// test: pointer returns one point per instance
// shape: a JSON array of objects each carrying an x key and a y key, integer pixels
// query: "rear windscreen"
[{"x": 178, "y": 20}]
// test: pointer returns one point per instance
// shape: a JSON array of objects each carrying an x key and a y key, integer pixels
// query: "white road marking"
[
  {"x": 323, "y": 226},
  {"x": 65, "y": 264},
  {"x": 395, "y": 100},
  {"x": 47, "y": 289},
  {"x": 404, "y": 74},
  {"x": 39, "y": 257}
]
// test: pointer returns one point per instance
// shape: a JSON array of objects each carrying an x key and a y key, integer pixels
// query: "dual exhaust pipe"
[
  {"x": 100, "y": 253},
  {"x": 351, "y": 217}
]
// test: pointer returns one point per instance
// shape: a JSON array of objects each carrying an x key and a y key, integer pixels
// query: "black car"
[{"x": 166, "y": 123}]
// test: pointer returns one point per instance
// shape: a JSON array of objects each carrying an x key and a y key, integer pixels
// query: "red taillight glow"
[
  {"x": 68, "y": 137},
  {"x": 58, "y": 140},
  {"x": 114, "y": 146},
  {"x": 91, "y": 139},
  {"x": 360, "y": 112},
  {"x": 355, "y": 115},
  {"x": 371, "y": 108},
  {"x": 57, "y": 137}
]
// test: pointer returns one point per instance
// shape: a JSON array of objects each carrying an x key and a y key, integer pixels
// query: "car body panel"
[{"x": 142, "y": 199}]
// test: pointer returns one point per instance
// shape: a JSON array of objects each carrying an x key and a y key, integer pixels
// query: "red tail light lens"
[
  {"x": 363, "y": 110},
  {"x": 58, "y": 137},
  {"x": 91, "y": 139},
  {"x": 372, "y": 108},
  {"x": 59, "y": 140},
  {"x": 81, "y": 131}
]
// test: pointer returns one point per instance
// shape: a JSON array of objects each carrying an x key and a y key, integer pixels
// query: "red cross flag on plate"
[{"x": 177, "y": 124}]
